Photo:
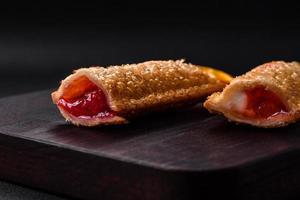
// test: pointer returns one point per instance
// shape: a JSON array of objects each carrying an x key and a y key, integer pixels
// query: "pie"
[
  {"x": 115, "y": 94},
  {"x": 267, "y": 96}
]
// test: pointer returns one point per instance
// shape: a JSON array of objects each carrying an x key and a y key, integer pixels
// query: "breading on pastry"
[
  {"x": 266, "y": 96},
  {"x": 96, "y": 95}
]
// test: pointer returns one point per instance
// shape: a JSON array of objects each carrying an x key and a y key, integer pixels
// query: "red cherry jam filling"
[
  {"x": 83, "y": 99},
  {"x": 263, "y": 103}
]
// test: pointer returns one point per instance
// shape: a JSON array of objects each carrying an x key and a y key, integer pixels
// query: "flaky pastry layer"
[
  {"x": 133, "y": 89},
  {"x": 280, "y": 77}
]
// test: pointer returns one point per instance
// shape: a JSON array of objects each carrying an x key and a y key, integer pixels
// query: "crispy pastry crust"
[
  {"x": 154, "y": 85},
  {"x": 280, "y": 77}
]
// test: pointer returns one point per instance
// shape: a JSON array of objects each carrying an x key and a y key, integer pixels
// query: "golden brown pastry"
[
  {"x": 96, "y": 95},
  {"x": 267, "y": 96}
]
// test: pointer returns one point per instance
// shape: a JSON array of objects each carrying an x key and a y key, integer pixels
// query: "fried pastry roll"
[
  {"x": 96, "y": 95},
  {"x": 267, "y": 96}
]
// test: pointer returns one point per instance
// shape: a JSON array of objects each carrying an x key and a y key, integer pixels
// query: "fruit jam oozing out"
[
  {"x": 262, "y": 103},
  {"x": 84, "y": 99}
]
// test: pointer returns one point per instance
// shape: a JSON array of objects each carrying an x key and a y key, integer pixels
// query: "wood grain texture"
[{"x": 186, "y": 154}]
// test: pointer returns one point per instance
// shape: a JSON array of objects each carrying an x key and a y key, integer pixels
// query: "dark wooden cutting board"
[{"x": 188, "y": 154}]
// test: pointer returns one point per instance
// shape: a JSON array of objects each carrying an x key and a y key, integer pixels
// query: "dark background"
[{"x": 42, "y": 42}]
